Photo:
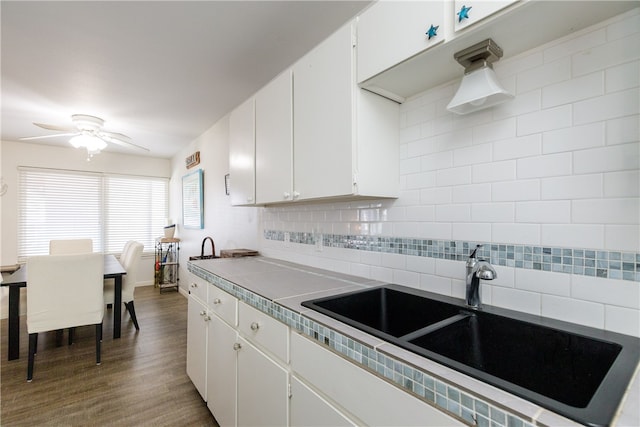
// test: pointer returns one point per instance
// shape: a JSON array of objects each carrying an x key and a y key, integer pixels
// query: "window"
[{"x": 109, "y": 209}]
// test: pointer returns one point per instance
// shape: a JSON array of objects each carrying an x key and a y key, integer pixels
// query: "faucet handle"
[{"x": 473, "y": 254}]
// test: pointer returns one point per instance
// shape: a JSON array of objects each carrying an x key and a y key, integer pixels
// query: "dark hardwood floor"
[{"x": 142, "y": 380}]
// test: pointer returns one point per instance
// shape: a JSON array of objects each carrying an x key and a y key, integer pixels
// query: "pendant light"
[{"x": 480, "y": 87}]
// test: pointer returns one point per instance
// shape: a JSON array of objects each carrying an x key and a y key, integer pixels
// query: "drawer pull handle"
[
  {"x": 217, "y": 301},
  {"x": 207, "y": 318},
  {"x": 202, "y": 313},
  {"x": 255, "y": 326},
  {"x": 194, "y": 285},
  {"x": 237, "y": 346}
]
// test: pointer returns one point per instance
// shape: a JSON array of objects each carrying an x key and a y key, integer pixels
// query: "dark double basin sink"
[{"x": 579, "y": 372}]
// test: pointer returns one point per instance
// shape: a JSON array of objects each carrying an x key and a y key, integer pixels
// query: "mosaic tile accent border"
[
  {"x": 446, "y": 397},
  {"x": 585, "y": 262}
]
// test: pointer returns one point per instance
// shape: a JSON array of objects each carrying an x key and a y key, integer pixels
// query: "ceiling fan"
[{"x": 87, "y": 132}]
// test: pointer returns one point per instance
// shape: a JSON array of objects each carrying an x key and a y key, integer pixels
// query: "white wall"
[
  {"x": 15, "y": 154},
  {"x": 557, "y": 167},
  {"x": 230, "y": 227}
]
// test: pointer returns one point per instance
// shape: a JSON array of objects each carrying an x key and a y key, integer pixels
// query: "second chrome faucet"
[{"x": 476, "y": 270}]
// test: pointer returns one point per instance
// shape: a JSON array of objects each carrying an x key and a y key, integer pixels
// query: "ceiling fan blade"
[
  {"x": 54, "y": 127},
  {"x": 120, "y": 139},
  {"x": 28, "y": 138}
]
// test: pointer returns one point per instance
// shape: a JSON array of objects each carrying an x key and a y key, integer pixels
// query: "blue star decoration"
[
  {"x": 464, "y": 13},
  {"x": 432, "y": 32}
]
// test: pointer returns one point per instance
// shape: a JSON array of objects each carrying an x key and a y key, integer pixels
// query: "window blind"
[{"x": 109, "y": 209}]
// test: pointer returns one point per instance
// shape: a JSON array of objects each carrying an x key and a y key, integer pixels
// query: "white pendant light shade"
[
  {"x": 478, "y": 90},
  {"x": 93, "y": 144}
]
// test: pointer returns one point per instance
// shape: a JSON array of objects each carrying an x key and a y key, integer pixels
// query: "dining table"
[{"x": 112, "y": 270}]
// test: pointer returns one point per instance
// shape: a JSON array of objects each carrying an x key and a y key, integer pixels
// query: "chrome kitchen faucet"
[{"x": 476, "y": 270}]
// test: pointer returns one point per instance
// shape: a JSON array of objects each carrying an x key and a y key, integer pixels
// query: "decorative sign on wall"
[
  {"x": 192, "y": 200},
  {"x": 193, "y": 160}
]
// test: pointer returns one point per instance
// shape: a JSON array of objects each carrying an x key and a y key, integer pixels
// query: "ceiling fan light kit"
[{"x": 87, "y": 133}]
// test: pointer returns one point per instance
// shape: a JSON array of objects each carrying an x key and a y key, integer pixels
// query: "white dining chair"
[
  {"x": 130, "y": 259},
  {"x": 64, "y": 291},
  {"x": 70, "y": 246}
]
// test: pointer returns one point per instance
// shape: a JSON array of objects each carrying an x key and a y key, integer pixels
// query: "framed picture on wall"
[{"x": 192, "y": 200}]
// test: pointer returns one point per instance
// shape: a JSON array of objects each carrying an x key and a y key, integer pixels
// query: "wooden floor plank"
[{"x": 142, "y": 380}]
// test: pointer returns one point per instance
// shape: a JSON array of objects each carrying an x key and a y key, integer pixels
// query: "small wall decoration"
[
  {"x": 192, "y": 200},
  {"x": 193, "y": 160}
]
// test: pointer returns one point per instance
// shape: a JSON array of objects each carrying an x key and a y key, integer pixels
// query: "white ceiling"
[{"x": 161, "y": 72}]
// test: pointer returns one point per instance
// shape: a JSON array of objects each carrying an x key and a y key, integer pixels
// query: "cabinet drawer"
[
  {"x": 198, "y": 287},
  {"x": 368, "y": 397},
  {"x": 224, "y": 305},
  {"x": 264, "y": 331}
]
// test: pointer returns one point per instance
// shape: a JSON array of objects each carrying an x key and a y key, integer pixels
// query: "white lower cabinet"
[
  {"x": 309, "y": 409},
  {"x": 262, "y": 388},
  {"x": 197, "y": 318},
  {"x": 221, "y": 372},
  {"x": 366, "y": 396}
]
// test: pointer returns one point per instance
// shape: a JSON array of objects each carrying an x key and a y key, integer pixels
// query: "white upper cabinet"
[
  {"x": 391, "y": 31},
  {"x": 345, "y": 140},
  {"x": 274, "y": 141},
  {"x": 242, "y": 154},
  {"x": 468, "y": 12}
]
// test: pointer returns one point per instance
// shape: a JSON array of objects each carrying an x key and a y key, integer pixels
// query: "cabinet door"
[
  {"x": 323, "y": 86},
  {"x": 221, "y": 372},
  {"x": 475, "y": 10},
  {"x": 242, "y": 154},
  {"x": 262, "y": 389},
  {"x": 274, "y": 141},
  {"x": 308, "y": 409},
  {"x": 391, "y": 31},
  {"x": 197, "y": 345}
]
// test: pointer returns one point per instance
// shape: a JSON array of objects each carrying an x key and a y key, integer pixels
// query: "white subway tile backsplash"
[
  {"x": 544, "y": 75},
  {"x": 453, "y": 176},
  {"x": 622, "y": 130},
  {"x": 418, "y": 213},
  {"x": 607, "y": 55},
  {"x": 524, "y": 234},
  {"x": 410, "y": 165},
  {"x": 420, "y": 180},
  {"x": 573, "y": 90},
  {"x": 543, "y": 282},
  {"x": 437, "y": 284},
  {"x": 516, "y": 299},
  {"x": 515, "y": 190},
  {"x": 497, "y": 129},
  {"x": 571, "y": 310},
  {"x": 610, "y": 106},
  {"x": 435, "y": 161},
  {"x": 436, "y": 196},
  {"x": 421, "y": 264},
  {"x": 494, "y": 171},
  {"x": 606, "y": 211},
  {"x": 452, "y": 269},
  {"x": 622, "y": 77},
  {"x": 472, "y": 193},
  {"x": 421, "y": 146},
  {"x": 571, "y": 187},
  {"x": 493, "y": 212},
  {"x": 544, "y": 212},
  {"x": 472, "y": 155},
  {"x": 607, "y": 159},
  {"x": 573, "y": 235},
  {"x": 514, "y": 148},
  {"x": 622, "y": 320},
  {"x": 622, "y": 184},
  {"x": 453, "y": 213},
  {"x": 574, "y": 138},
  {"x": 622, "y": 237},
  {"x": 436, "y": 230},
  {"x": 406, "y": 278},
  {"x": 575, "y": 44},
  {"x": 622, "y": 293},
  {"x": 420, "y": 114},
  {"x": 544, "y": 120},
  {"x": 475, "y": 231},
  {"x": 544, "y": 166},
  {"x": 629, "y": 23}
]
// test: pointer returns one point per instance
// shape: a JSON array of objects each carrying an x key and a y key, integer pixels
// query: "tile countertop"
[{"x": 288, "y": 284}]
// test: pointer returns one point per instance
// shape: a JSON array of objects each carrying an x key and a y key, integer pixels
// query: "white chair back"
[
  {"x": 64, "y": 291},
  {"x": 70, "y": 246},
  {"x": 130, "y": 263}
]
